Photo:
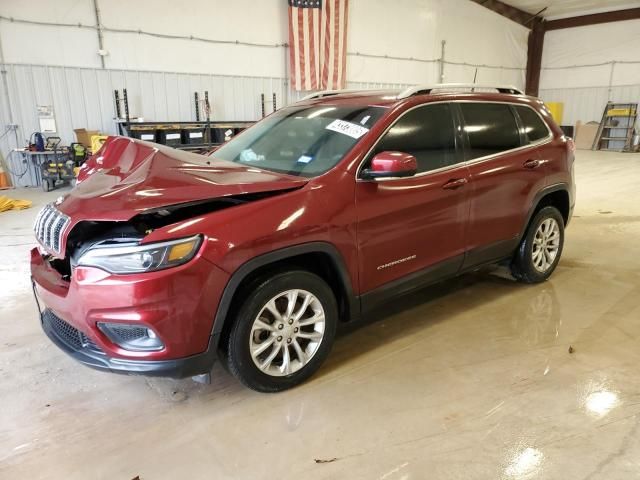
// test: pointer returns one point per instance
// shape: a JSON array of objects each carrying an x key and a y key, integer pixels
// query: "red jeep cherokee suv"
[{"x": 159, "y": 261}]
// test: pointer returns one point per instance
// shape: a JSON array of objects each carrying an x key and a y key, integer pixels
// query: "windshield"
[{"x": 302, "y": 141}]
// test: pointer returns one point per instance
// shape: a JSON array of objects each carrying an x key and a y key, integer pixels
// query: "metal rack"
[
  {"x": 213, "y": 133},
  {"x": 616, "y": 128},
  {"x": 199, "y": 135},
  {"x": 262, "y": 103}
]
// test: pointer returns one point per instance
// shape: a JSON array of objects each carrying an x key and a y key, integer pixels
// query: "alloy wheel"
[
  {"x": 287, "y": 332},
  {"x": 546, "y": 244}
]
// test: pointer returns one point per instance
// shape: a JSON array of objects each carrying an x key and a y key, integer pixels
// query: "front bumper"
[
  {"x": 83, "y": 350},
  {"x": 178, "y": 304}
]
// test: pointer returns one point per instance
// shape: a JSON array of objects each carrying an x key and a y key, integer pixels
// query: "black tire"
[
  {"x": 239, "y": 360},
  {"x": 522, "y": 264}
]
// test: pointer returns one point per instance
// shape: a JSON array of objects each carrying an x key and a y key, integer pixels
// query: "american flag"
[{"x": 318, "y": 44}]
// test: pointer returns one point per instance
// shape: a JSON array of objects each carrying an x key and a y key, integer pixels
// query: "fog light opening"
[{"x": 135, "y": 338}]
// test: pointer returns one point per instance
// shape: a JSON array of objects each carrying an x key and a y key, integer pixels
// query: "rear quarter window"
[{"x": 534, "y": 127}]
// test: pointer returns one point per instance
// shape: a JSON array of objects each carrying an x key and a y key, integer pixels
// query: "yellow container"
[
  {"x": 557, "y": 110},
  {"x": 96, "y": 142}
]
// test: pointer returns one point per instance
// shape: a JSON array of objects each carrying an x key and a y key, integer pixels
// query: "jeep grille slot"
[{"x": 50, "y": 226}]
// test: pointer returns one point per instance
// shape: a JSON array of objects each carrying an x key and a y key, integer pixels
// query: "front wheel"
[
  {"x": 540, "y": 249},
  {"x": 283, "y": 332}
]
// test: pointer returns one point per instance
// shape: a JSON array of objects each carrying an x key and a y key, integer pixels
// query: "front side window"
[
  {"x": 534, "y": 127},
  {"x": 427, "y": 133},
  {"x": 301, "y": 141},
  {"x": 491, "y": 128}
]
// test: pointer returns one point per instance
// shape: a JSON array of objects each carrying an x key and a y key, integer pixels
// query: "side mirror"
[{"x": 391, "y": 165}]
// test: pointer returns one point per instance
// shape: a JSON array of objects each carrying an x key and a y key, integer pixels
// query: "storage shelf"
[{"x": 176, "y": 134}]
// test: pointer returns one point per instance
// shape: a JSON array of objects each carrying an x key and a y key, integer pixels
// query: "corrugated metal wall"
[
  {"x": 83, "y": 97},
  {"x": 587, "y": 104}
]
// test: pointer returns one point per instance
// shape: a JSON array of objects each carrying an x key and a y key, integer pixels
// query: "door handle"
[
  {"x": 455, "y": 183},
  {"x": 531, "y": 164}
]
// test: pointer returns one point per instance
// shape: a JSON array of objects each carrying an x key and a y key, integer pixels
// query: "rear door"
[
  {"x": 539, "y": 135},
  {"x": 414, "y": 225},
  {"x": 505, "y": 173}
]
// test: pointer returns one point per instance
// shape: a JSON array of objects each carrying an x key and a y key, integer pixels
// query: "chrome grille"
[{"x": 50, "y": 226}]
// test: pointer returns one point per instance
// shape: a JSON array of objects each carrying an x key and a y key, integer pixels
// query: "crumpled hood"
[{"x": 127, "y": 177}]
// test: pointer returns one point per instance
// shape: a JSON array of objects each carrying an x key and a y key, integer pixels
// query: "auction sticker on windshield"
[{"x": 353, "y": 130}]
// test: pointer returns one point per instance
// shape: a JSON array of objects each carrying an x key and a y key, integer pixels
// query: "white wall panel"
[
  {"x": 184, "y": 98},
  {"x": 576, "y": 77},
  {"x": 78, "y": 107},
  {"x": 392, "y": 28},
  {"x": 21, "y": 92},
  {"x": 35, "y": 44},
  {"x": 61, "y": 103},
  {"x": 263, "y": 22},
  {"x": 415, "y": 28},
  {"x": 591, "y": 45},
  {"x": 7, "y": 138},
  {"x": 105, "y": 99},
  {"x": 245, "y": 20},
  {"x": 587, "y": 104},
  {"x": 476, "y": 35},
  {"x": 466, "y": 74},
  {"x": 613, "y": 72},
  {"x": 627, "y": 73},
  {"x": 60, "y": 65},
  {"x": 83, "y": 97},
  {"x": 90, "y": 95}
]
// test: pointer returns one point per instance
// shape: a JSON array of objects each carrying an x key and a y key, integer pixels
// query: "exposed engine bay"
[{"x": 89, "y": 234}]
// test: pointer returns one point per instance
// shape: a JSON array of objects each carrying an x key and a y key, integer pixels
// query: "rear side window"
[
  {"x": 534, "y": 127},
  {"x": 491, "y": 128},
  {"x": 427, "y": 133}
]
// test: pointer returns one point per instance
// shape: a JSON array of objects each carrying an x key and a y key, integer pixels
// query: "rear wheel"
[
  {"x": 540, "y": 249},
  {"x": 283, "y": 332}
]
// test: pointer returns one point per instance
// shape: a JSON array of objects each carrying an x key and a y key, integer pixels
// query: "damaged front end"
[
  {"x": 132, "y": 188},
  {"x": 116, "y": 246},
  {"x": 121, "y": 285}
]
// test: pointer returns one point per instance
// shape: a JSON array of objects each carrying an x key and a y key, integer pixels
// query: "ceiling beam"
[
  {"x": 512, "y": 13},
  {"x": 596, "y": 18}
]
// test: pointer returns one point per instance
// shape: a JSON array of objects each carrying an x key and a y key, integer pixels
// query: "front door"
[{"x": 412, "y": 230}]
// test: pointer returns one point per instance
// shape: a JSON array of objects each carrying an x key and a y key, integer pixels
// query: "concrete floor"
[{"x": 469, "y": 379}]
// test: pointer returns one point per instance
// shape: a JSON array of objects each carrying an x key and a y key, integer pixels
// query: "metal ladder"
[{"x": 616, "y": 127}]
